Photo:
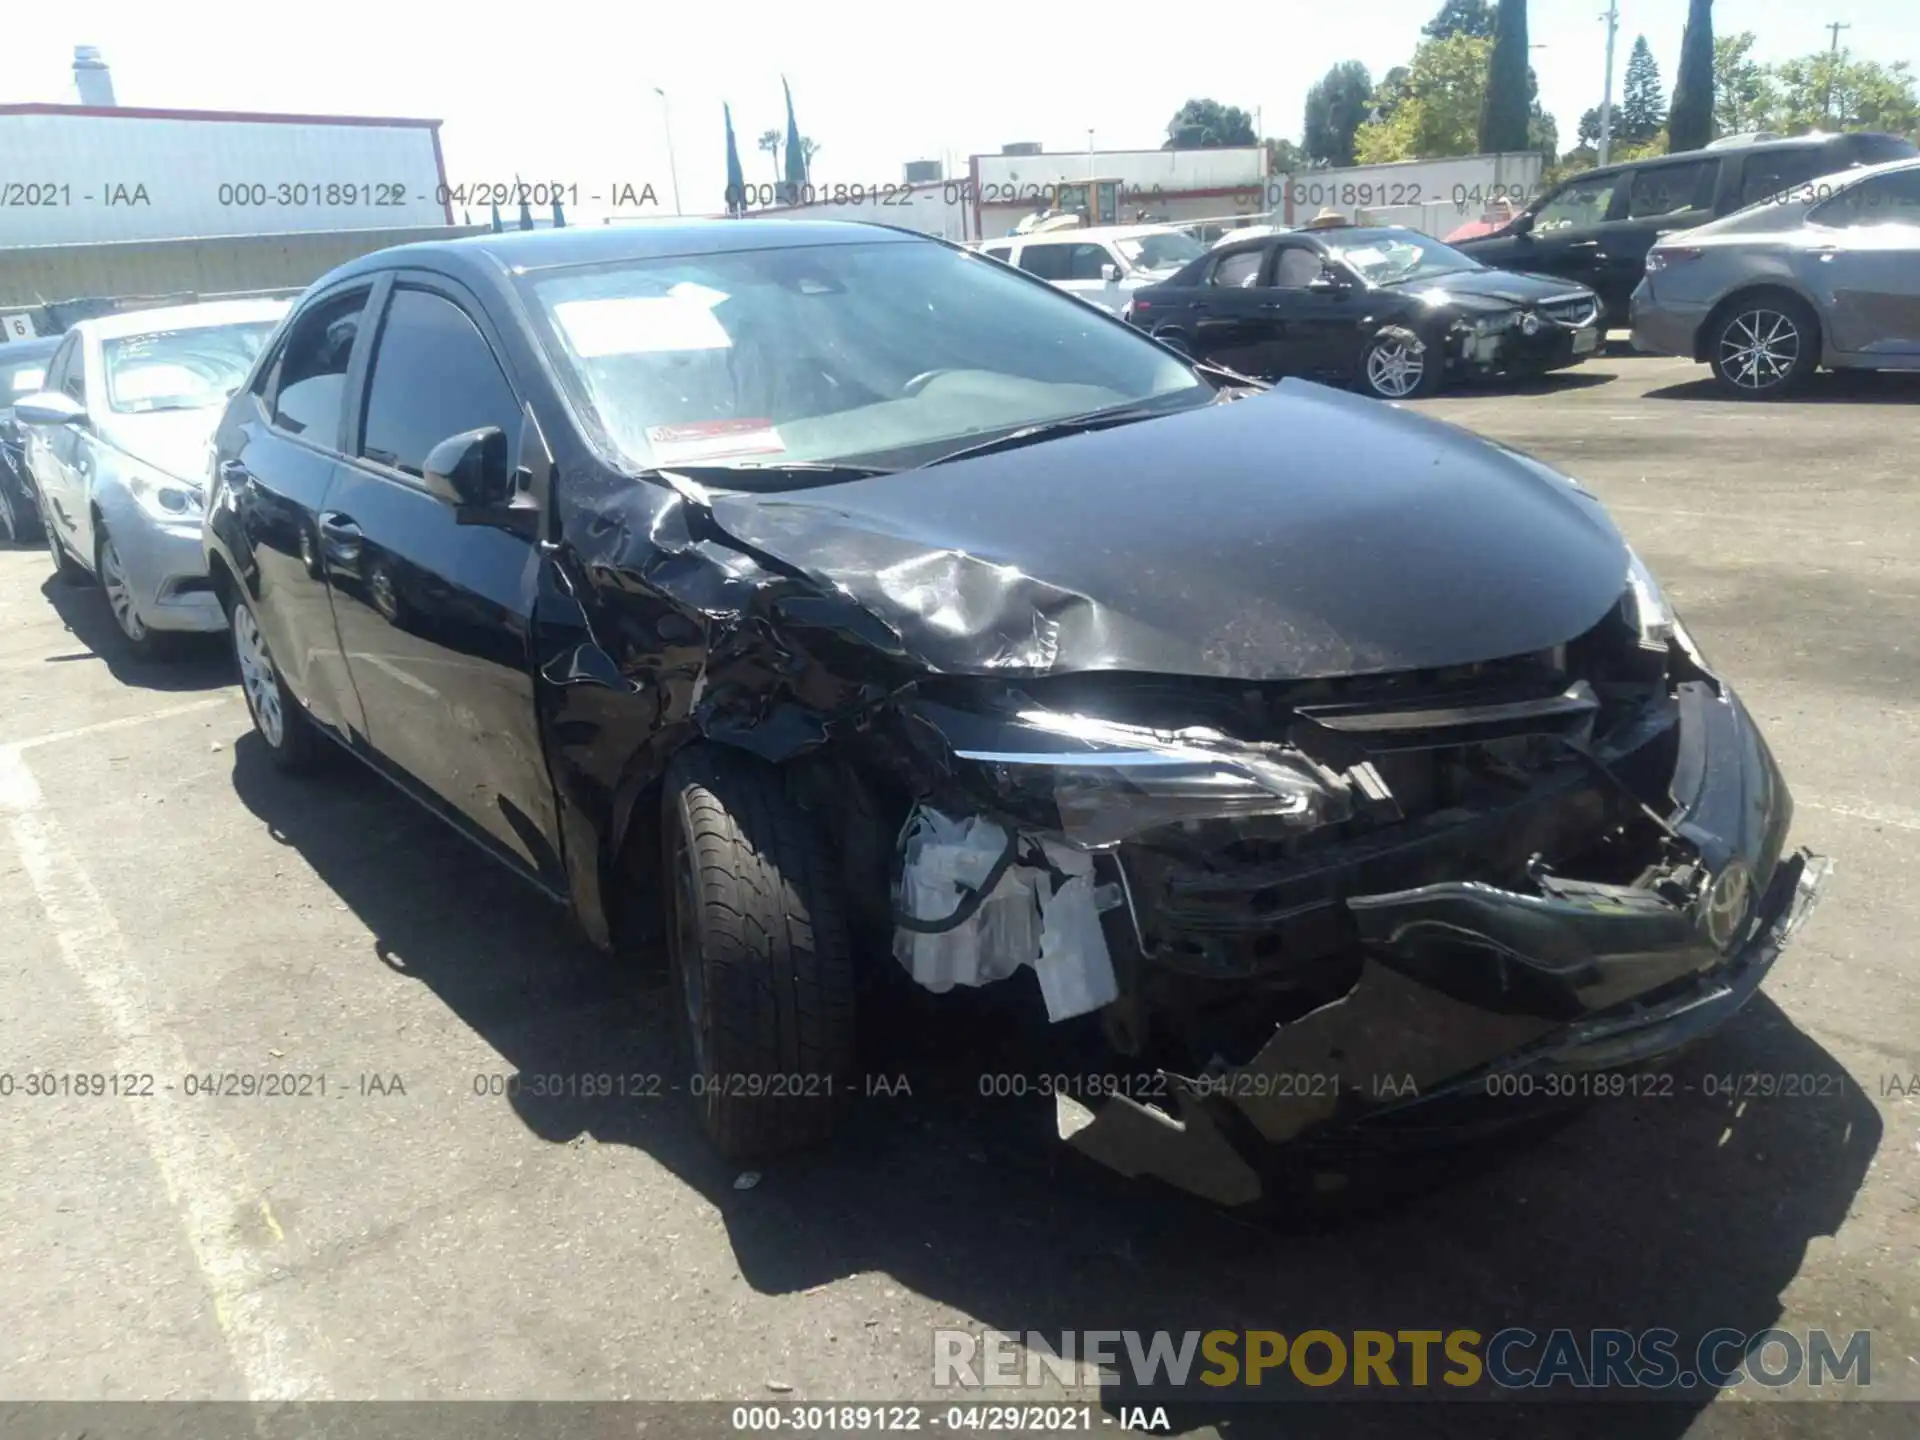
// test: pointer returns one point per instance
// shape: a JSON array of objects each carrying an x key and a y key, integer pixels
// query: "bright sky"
[{"x": 563, "y": 90}]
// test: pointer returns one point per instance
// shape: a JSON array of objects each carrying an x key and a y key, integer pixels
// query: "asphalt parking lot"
[{"x": 173, "y": 907}]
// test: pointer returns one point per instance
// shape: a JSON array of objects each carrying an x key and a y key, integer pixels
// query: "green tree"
[
  {"x": 1284, "y": 157},
  {"x": 1337, "y": 105},
  {"x": 1438, "y": 113},
  {"x": 1690, "y": 121},
  {"x": 1744, "y": 95},
  {"x": 1472, "y": 18},
  {"x": 1589, "y": 131},
  {"x": 1208, "y": 125},
  {"x": 1391, "y": 90},
  {"x": 1824, "y": 91},
  {"x": 1505, "y": 106},
  {"x": 1643, "y": 104}
]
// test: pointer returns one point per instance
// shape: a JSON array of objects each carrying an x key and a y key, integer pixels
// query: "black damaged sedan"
[
  {"x": 835, "y": 604},
  {"x": 1391, "y": 311}
]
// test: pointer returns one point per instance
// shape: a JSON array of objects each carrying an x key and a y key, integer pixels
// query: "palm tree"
[
  {"x": 769, "y": 141},
  {"x": 809, "y": 147}
]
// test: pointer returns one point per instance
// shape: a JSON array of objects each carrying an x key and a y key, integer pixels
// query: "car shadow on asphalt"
[
  {"x": 1555, "y": 382},
  {"x": 1824, "y": 387},
  {"x": 1691, "y": 1209},
  {"x": 187, "y": 662}
]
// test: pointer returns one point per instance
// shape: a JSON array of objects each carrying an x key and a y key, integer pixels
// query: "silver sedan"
[{"x": 1826, "y": 273}]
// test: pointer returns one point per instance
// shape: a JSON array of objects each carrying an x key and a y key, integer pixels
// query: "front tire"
[
  {"x": 1400, "y": 365},
  {"x": 1764, "y": 347},
  {"x": 289, "y": 735},
  {"x": 761, "y": 963},
  {"x": 136, "y": 637}
]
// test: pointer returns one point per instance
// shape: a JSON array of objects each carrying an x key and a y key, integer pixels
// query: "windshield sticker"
[
  {"x": 713, "y": 440},
  {"x": 643, "y": 324}
]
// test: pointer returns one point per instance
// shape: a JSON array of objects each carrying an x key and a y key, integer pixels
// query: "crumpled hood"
[
  {"x": 1304, "y": 532},
  {"x": 173, "y": 441},
  {"x": 1494, "y": 289}
]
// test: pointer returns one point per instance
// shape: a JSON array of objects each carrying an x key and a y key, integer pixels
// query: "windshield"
[
  {"x": 894, "y": 352},
  {"x": 1159, "y": 252},
  {"x": 22, "y": 377},
  {"x": 1389, "y": 257},
  {"x": 180, "y": 369}
]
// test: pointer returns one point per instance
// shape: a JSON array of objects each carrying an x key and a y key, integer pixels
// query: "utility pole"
[
  {"x": 1833, "y": 63},
  {"x": 673, "y": 167},
  {"x": 1612, "y": 17}
]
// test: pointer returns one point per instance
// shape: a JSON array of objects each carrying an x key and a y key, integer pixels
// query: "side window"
[
  {"x": 1884, "y": 200},
  {"x": 1578, "y": 203},
  {"x": 998, "y": 252},
  {"x": 1296, "y": 267},
  {"x": 57, "y": 366},
  {"x": 1087, "y": 261},
  {"x": 1049, "y": 262},
  {"x": 312, "y": 368},
  {"x": 73, "y": 380},
  {"x": 1238, "y": 269},
  {"x": 1770, "y": 177},
  {"x": 1669, "y": 189},
  {"x": 434, "y": 375}
]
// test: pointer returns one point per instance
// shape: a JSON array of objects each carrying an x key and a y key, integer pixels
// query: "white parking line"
[
  {"x": 1898, "y": 816},
  {"x": 198, "y": 1163},
  {"x": 125, "y": 722}
]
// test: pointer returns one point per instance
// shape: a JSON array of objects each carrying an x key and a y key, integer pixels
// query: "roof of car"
[
  {"x": 182, "y": 317},
  {"x": 520, "y": 251},
  {"x": 14, "y": 351},
  {"x": 1093, "y": 232},
  {"x": 1759, "y": 147}
]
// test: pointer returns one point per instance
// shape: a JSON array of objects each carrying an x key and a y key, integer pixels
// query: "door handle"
[
  {"x": 1825, "y": 252},
  {"x": 234, "y": 473},
  {"x": 339, "y": 528}
]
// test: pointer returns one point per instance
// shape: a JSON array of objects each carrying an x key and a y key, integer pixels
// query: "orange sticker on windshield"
[{"x": 713, "y": 440}]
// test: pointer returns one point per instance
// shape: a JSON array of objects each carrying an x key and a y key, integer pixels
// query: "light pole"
[
  {"x": 673, "y": 170},
  {"x": 1612, "y": 17}
]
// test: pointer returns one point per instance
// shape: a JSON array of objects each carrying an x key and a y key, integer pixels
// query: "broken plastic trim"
[{"x": 1124, "y": 779}]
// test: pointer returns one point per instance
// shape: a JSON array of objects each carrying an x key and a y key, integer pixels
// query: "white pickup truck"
[{"x": 1103, "y": 265}]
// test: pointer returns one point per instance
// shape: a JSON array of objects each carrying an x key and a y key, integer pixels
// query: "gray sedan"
[{"x": 1826, "y": 273}]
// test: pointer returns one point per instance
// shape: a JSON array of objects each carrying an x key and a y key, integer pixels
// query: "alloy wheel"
[
  {"x": 1759, "y": 349},
  {"x": 1395, "y": 368},
  {"x": 113, "y": 579},
  {"x": 257, "y": 676}
]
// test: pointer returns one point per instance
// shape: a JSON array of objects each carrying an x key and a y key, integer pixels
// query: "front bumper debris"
[{"x": 1460, "y": 982}]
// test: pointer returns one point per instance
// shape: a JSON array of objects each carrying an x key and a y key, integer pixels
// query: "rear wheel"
[
  {"x": 1764, "y": 347},
  {"x": 1399, "y": 365},
  {"x": 762, "y": 968},
  {"x": 291, "y": 741}
]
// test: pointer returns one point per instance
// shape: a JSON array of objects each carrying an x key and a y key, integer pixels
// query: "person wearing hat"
[{"x": 1327, "y": 219}]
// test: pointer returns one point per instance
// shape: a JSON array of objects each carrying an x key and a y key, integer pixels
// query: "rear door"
[
  {"x": 1863, "y": 264},
  {"x": 1661, "y": 199},
  {"x": 278, "y": 465},
  {"x": 436, "y": 616}
]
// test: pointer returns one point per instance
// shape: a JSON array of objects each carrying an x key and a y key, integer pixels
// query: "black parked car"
[
  {"x": 1597, "y": 228},
  {"x": 1390, "y": 310},
  {"x": 23, "y": 365},
  {"x": 823, "y": 590}
]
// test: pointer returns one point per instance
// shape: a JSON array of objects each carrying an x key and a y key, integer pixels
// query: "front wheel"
[
  {"x": 135, "y": 635},
  {"x": 1399, "y": 365},
  {"x": 1764, "y": 347},
  {"x": 291, "y": 741},
  {"x": 761, "y": 964}
]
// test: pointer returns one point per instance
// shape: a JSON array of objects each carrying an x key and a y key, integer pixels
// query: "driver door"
[{"x": 435, "y": 616}]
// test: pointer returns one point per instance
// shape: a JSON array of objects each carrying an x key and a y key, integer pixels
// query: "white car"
[
  {"x": 1103, "y": 265},
  {"x": 117, "y": 445}
]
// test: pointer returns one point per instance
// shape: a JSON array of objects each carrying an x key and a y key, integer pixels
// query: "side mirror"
[
  {"x": 471, "y": 469},
  {"x": 1521, "y": 224},
  {"x": 1110, "y": 273},
  {"x": 1330, "y": 282},
  {"x": 50, "y": 407}
]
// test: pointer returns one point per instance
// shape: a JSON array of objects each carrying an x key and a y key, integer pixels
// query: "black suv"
[{"x": 1597, "y": 228}]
